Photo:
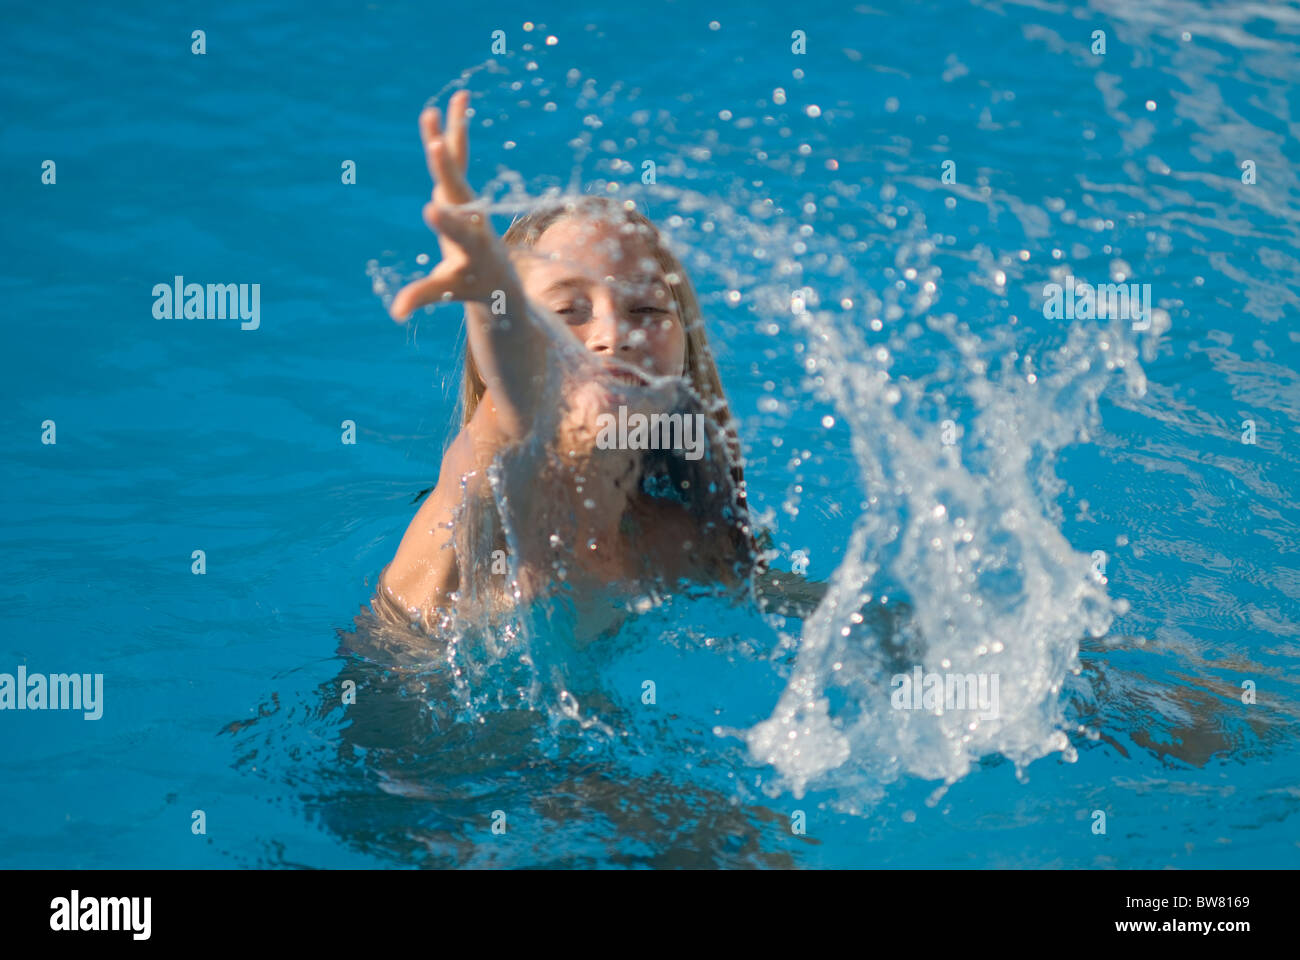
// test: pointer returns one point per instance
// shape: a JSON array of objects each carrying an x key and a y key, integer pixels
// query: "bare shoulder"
[{"x": 424, "y": 569}]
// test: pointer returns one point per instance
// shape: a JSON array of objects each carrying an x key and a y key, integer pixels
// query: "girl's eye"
[{"x": 649, "y": 309}]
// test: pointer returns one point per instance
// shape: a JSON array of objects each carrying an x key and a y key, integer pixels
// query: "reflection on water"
[{"x": 404, "y": 776}]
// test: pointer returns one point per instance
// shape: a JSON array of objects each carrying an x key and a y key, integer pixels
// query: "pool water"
[{"x": 1103, "y": 518}]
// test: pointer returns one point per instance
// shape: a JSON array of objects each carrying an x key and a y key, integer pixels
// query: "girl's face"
[{"x": 611, "y": 291}]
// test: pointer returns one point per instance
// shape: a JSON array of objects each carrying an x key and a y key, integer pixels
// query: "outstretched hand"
[{"x": 475, "y": 263}]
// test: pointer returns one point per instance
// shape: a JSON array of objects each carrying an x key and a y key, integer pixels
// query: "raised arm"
[{"x": 509, "y": 348}]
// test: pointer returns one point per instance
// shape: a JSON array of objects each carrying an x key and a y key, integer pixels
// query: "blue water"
[{"x": 1122, "y": 673}]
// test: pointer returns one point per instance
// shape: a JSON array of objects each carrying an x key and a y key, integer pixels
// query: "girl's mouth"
[{"x": 626, "y": 376}]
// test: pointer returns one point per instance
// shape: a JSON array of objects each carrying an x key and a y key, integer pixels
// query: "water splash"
[{"x": 963, "y": 524}]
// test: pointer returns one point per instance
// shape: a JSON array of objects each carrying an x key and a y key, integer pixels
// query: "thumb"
[{"x": 418, "y": 293}]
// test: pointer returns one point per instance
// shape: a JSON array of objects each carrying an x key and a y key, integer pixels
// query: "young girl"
[{"x": 531, "y": 493}]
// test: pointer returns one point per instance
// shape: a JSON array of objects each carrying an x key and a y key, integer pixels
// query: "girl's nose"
[{"x": 608, "y": 330}]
